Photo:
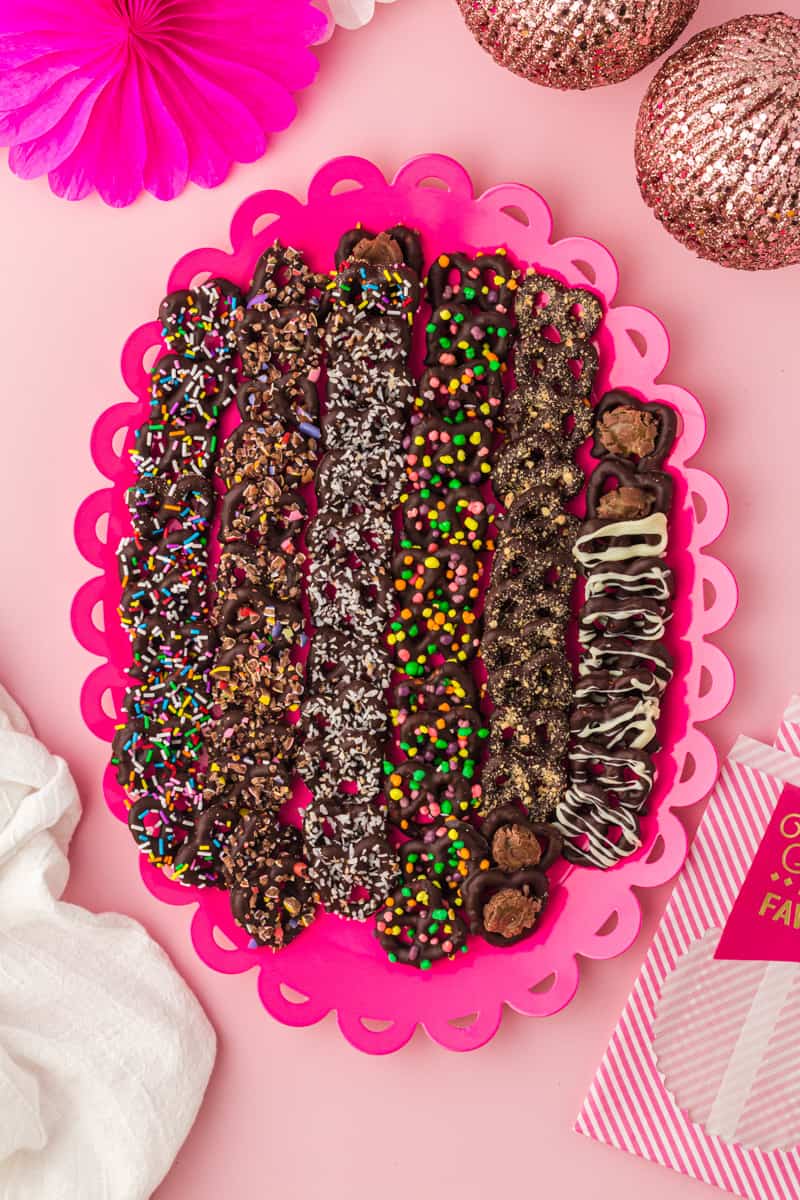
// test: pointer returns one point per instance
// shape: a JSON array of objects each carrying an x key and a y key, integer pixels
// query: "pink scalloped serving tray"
[{"x": 338, "y": 964}]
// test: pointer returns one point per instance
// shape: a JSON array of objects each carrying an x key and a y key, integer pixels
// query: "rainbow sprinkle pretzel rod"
[
  {"x": 371, "y": 300},
  {"x": 624, "y": 667},
  {"x": 158, "y": 751}
]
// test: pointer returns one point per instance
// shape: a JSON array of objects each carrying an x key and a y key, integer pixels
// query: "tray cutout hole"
[
  {"x": 639, "y": 341},
  {"x": 656, "y": 851},
  {"x": 700, "y": 507},
  {"x": 263, "y": 222},
  {"x": 199, "y": 279},
  {"x": 689, "y": 768},
  {"x": 586, "y": 269},
  {"x": 543, "y": 985},
  {"x": 98, "y": 617},
  {"x": 150, "y": 356},
  {"x": 516, "y": 214},
  {"x": 222, "y": 940},
  {"x": 609, "y": 925},
  {"x": 376, "y": 1024},
  {"x": 709, "y": 595},
  {"x": 705, "y": 682},
  {"x": 107, "y": 704},
  {"x": 465, "y": 1022},
  {"x": 434, "y": 184},
  {"x": 291, "y": 995},
  {"x": 118, "y": 440},
  {"x": 346, "y": 185},
  {"x": 101, "y": 528}
]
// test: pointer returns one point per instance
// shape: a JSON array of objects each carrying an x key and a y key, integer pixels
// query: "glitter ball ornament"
[
  {"x": 576, "y": 43},
  {"x": 718, "y": 143}
]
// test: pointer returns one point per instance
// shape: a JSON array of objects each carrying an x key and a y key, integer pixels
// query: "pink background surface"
[{"x": 290, "y": 1112}]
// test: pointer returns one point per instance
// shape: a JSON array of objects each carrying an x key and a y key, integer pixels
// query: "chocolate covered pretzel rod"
[
  {"x": 624, "y": 666},
  {"x": 159, "y": 750},
  {"x": 370, "y": 304}
]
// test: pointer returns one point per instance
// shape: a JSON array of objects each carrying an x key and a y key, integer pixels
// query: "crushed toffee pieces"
[{"x": 368, "y": 585}]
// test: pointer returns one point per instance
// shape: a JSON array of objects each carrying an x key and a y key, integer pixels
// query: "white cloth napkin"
[{"x": 104, "y": 1052}]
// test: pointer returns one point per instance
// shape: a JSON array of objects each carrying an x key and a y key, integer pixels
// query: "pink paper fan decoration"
[{"x": 121, "y": 95}]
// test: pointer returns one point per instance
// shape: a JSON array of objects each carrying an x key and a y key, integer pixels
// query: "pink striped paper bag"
[
  {"x": 700, "y": 1074},
  {"x": 788, "y": 738}
]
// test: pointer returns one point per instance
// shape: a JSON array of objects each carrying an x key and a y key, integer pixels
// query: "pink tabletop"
[{"x": 292, "y": 1112}]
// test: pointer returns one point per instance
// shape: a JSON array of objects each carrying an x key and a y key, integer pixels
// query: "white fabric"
[
  {"x": 104, "y": 1052},
  {"x": 350, "y": 14}
]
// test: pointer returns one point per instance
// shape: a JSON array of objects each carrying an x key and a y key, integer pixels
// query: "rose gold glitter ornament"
[
  {"x": 718, "y": 143},
  {"x": 576, "y": 43}
]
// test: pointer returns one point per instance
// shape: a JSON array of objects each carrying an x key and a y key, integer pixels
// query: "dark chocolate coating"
[
  {"x": 407, "y": 239},
  {"x": 509, "y": 814},
  {"x": 448, "y": 851},
  {"x": 665, "y": 417},
  {"x": 411, "y": 788},
  {"x": 480, "y": 887},
  {"x": 411, "y": 913},
  {"x": 656, "y": 485},
  {"x": 471, "y": 286}
]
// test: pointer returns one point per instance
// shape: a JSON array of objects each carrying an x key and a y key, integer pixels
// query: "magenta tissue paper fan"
[{"x": 121, "y": 95}]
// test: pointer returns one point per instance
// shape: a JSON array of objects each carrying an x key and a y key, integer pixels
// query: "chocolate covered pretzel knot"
[
  {"x": 629, "y": 428},
  {"x": 417, "y": 793},
  {"x": 447, "y": 853},
  {"x": 457, "y": 394},
  {"x": 459, "y": 514},
  {"x": 536, "y": 405},
  {"x": 446, "y": 687},
  {"x": 457, "y": 337},
  {"x": 556, "y": 325},
  {"x": 487, "y": 282},
  {"x": 390, "y": 246},
  {"x": 515, "y": 842},
  {"x": 597, "y": 833},
  {"x": 271, "y": 893},
  {"x": 438, "y": 451},
  {"x": 624, "y": 667},
  {"x": 202, "y": 323},
  {"x": 504, "y": 907},
  {"x": 418, "y": 925}
]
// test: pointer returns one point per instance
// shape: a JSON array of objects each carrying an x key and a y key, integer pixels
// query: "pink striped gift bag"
[{"x": 700, "y": 1074}]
